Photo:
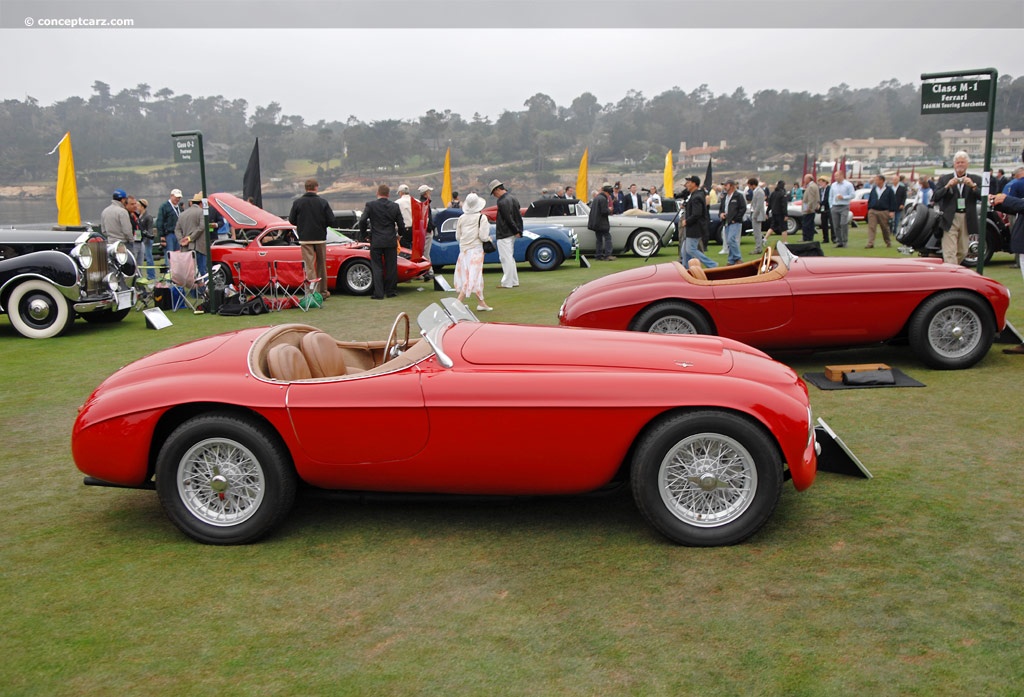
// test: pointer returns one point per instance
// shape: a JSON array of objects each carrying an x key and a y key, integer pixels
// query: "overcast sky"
[{"x": 402, "y": 73}]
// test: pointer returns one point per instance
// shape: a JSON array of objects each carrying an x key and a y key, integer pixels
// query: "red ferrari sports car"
[
  {"x": 225, "y": 427},
  {"x": 950, "y": 314},
  {"x": 262, "y": 236}
]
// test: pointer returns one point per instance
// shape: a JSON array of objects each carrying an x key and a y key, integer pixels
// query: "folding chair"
[
  {"x": 289, "y": 279},
  {"x": 187, "y": 286},
  {"x": 254, "y": 278}
]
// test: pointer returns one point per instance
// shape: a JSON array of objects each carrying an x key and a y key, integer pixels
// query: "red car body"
[
  {"x": 263, "y": 236},
  {"x": 949, "y": 313},
  {"x": 427, "y": 421}
]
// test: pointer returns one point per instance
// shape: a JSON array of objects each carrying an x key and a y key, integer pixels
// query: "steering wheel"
[
  {"x": 392, "y": 349},
  {"x": 766, "y": 262}
]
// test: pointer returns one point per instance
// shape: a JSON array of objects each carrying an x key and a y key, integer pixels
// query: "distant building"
[
  {"x": 873, "y": 149},
  {"x": 1006, "y": 144},
  {"x": 699, "y": 156}
]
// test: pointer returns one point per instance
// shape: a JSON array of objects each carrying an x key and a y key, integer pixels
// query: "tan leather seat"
[
  {"x": 696, "y": 270},
  {"x": 325, "y": 358},
  {"x": 286, "y": 362}
]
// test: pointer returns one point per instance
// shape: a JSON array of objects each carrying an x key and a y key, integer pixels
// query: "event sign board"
[{"x": 956, "y": 96}]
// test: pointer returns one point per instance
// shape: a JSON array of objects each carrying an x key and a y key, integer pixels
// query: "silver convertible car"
[{"x": 642, "y": 235}]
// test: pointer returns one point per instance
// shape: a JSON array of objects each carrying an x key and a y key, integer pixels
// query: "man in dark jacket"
[
  {"x": 733, "y": 208},
  {"x": 312, "y": 215},
  {"x": 899, "y": 192},
  {"x": 956, "y": 196},
  {"x": 386, "y": 224},
  {"x": 167, "y": 219},
  {"x": 881, "y": 208},
  {"x": 598, "y": 222},
  {"x": 508, "y": 225},
  {"x": 695, "y": 224}
]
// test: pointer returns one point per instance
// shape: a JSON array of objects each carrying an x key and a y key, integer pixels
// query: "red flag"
[
  {"x": 419, "y": 229},
  {"x": 805, "y": 170},
  {"x": 814, "y": 168},
  {"x": 912, "y": 172},
  {"x": 843, "y": 166}
]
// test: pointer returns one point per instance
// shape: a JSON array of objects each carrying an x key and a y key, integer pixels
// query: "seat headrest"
[
  {"x": 324, "y": 356},
  {"x": 286, "y": 362},
  {"x": 696, "y": 270}
]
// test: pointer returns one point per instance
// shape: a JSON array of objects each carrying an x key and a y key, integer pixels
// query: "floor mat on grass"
[{"x": 823, "y": 383}]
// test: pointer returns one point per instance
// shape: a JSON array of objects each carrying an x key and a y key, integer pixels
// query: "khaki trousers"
[
  {"x": 878, "y": 218},
  {"x": 314, "y": 260},
  {"x": 954, "y": 240}
]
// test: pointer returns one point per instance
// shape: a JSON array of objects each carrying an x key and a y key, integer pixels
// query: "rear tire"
[
  {"x": 952, "y": 330},
  {"x": 223, "y": 480},
  {"x": 706, "y": 478},
  {"x": 644, "y": 243}
]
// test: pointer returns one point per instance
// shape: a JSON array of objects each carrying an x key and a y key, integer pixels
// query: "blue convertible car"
[{"x": 545, "y": 247}]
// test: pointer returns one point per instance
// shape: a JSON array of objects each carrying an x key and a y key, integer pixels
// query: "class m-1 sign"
[{"x": 957, "y": 96}]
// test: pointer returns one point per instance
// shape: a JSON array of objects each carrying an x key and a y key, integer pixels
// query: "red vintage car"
[
  {"x": 263, "y": 236},
  {"x": 225, "y": 428},
  {"x": 950, "y": 314}
]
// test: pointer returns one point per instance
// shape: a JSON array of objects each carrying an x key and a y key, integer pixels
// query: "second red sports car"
[{"x": 950, "y": 314}]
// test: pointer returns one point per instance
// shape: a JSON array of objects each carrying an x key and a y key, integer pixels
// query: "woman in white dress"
[{"x": 471, "y": 230}]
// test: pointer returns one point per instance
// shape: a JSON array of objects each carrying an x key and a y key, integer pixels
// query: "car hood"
[{"x": 566, "y": 348}]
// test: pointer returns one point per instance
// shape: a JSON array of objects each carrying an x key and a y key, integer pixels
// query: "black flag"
[
  {"x": 707, "y": 176},
  {"x": 252, "y": 189}
]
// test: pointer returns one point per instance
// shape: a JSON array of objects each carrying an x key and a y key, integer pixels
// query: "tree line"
[{"x": 131, "y": 128}]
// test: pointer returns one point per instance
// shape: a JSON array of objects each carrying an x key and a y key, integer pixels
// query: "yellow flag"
[
  {"x": 669, "y": 190},
  {"x": 446, "y": 187},
  {"x": 67, "y": 187},
  {"x": 582, "y": 187}
]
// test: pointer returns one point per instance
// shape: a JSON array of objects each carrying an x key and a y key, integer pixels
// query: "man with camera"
[{"x": 956, "y": 196}]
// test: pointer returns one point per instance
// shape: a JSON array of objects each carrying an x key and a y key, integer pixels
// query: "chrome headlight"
[
  {"x": 84, "y": 256},
  {"x": 112, "y": 282},
  {"x": 119, "y": 253}
]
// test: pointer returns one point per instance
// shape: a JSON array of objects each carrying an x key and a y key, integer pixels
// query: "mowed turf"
[{"x": 907, "y": 584}]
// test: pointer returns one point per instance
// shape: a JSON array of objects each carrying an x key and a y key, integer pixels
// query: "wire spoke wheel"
[
  {"x": 221, "y": 482},
  {"x": 225, "y": 479},
  {"x": 672, "y": 324},
  {"x": 955, "y": 331},
  {"x": 708, "y": 480}
]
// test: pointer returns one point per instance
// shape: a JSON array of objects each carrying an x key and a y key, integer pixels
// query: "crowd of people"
[{"x": 824, "y": 202}]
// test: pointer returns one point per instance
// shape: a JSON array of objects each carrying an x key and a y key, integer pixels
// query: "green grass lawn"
[{"x": 906, "y": 584}]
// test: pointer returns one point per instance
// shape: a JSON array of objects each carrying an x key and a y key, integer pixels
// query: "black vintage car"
[{"x": 48, "y": 278}]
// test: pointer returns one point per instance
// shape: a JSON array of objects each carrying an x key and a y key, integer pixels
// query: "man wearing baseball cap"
[
  {"x": 167, "y": 219},
  {"x": 508, "y": 226},
  {"x": 115, "y": 223}
]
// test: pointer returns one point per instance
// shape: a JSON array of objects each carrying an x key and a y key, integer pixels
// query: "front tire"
[
  {"x": 672, "y": 318},
  {"x": 991, "y": 243},
  {"x": 707, "y": 478},
  {"x": 38, "y": 310},
  {"x": 356, "y": 278},
  {"x": 792, "y": 225},
  {"x": 952, "y": 330},
  {"x": 544, "y": 255},
  {"x": 644, "y": 243},
  {"x": 223, "y": 480}
]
